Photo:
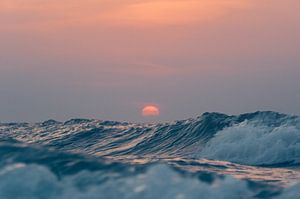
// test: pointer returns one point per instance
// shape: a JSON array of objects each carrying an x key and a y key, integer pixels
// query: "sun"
[{"x": 150, "y": 110}]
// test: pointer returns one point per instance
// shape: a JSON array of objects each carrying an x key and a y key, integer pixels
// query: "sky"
[{"x": 107, "y": 59}]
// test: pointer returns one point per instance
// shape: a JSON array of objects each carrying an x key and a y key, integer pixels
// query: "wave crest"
[
  {"x": 255, "y": 145},
  {"x": 260, "y": 138}
]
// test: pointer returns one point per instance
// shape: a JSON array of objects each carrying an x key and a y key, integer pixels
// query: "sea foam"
[
  {"x": 251, "y": 144},
  {"x": 160, "y": 181}
]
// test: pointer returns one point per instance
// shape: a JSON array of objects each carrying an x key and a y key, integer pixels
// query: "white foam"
[
  {"x": 250, "y": 144},
  {"x": 33, "y": 182}
]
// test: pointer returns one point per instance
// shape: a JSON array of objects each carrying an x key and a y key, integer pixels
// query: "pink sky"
[{"x": 105, "y": 59}]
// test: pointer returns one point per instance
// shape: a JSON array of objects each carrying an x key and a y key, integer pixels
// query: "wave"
[
  {"x": 33, "y": 181},
  {"x": 206, "y": 157},
  {"x": 255, "y": 145},
  {"x": 37, "y": 172},
  {"x": 260, "y": 138}
]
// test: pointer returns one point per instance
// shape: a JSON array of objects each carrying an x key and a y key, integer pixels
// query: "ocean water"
[{"x": 213, "y": 156}]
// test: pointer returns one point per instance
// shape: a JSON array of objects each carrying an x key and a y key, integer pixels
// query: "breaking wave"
[
  {"x": 255, "y": 145},
  {"x": 261, "y": 138}
]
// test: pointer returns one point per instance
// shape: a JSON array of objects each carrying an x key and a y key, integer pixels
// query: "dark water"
[{"x": 255, "y": 155}]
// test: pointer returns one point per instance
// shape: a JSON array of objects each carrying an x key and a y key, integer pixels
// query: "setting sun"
[{"x": 150, "y": 111}]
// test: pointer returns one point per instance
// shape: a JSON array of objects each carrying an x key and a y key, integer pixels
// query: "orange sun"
[{"x": 150, "y": 110}]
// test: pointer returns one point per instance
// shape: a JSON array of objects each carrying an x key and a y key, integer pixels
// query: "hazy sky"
[{"x": 106, "y": 59}]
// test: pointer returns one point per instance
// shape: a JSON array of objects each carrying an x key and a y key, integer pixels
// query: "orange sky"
[{"x": 36, "y": 14}]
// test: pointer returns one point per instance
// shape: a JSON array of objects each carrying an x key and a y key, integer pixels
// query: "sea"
[{"x": 213, "y": 156}]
